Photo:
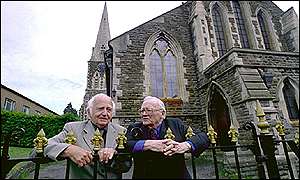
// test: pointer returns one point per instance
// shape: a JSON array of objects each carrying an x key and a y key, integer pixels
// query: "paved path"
[{"x": 56, "y": 170}]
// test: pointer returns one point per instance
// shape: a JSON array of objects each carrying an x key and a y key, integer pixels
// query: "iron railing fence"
[{"x": 263, "y": 146}]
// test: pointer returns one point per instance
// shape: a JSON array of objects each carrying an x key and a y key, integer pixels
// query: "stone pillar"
[
  {"x": 290, "y": 29},
  {"x": 200, "y": 32}
]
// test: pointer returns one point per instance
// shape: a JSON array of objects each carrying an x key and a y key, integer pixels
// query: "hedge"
[{"x": 24, "y": 128}]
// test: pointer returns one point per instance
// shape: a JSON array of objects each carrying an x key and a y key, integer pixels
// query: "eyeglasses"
[{"x": 148, "y": 111}]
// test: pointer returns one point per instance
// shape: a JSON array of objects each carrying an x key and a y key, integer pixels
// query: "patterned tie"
[{"x": 153, "y": 134}]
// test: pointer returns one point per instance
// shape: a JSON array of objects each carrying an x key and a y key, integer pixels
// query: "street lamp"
[
  {"x": 114, "y": 93},
  {"x": 108, "y": 58}
]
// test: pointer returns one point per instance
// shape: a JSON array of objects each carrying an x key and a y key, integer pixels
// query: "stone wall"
[{"x": 129, "y": 54}]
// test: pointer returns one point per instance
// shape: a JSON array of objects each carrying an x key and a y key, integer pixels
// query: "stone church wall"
[{"x": 129, "y": 54}]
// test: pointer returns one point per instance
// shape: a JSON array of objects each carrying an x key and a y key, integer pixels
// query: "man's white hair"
[
  {"x": 152, "y": 98},
  {"x": 92, "y": 101}
]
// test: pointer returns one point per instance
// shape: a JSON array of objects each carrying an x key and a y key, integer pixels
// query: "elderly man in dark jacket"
[{"x": 157, "y": 153}]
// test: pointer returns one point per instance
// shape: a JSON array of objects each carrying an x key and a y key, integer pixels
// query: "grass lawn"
[{"x": 18, "y": 152}]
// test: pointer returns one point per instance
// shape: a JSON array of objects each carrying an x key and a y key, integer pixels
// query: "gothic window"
[
  {"x": 219, "y": 30},
  {"x": 264, "y": 30},
  {"x": 290, "y": 100},
  {"x": 240, "y": 23},
  {"x": 163, "y": 70},
  {"x": 95, "y": 80}
]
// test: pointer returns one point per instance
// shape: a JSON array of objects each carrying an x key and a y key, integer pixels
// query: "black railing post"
[
  {"x": 95, "y": 159},
  {"x": 67, "y": 169},
  {"x": 237, "y": 162},
  {"x": 287, "y": 157},
  {"x": 215, "y": 161},
  {"x": 37, "y": 167},
  {"x": 280, "y": 128},
  {"x": 268, "y": 147},
  {"x": 267, "y": 143},
  {"x": 259, "y": 158},
  {"x": 5, "y": 156},
  {"x": 194, "y": 167}
]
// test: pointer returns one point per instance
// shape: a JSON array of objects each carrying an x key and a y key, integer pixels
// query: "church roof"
[{"x": 104, "y": 32}]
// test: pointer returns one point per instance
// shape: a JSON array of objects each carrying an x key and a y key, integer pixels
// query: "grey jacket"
[{"x": 84, "y": 132}]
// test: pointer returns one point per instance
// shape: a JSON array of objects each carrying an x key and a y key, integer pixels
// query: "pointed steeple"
[{"x": 104, "y": 32}]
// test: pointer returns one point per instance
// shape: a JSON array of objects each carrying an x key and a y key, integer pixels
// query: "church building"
[{"x": 209, "y": 61}]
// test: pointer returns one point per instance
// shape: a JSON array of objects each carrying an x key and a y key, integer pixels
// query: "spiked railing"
[
  {"x": 70, "y": 139},
  {"x": 212, "y": 135},
  {"x": 40, "y": 142},
  {"x": 97, "y": 141},
  {"x": 233, "y": 134},
  {"x": 121, "y": 140},
  {"x": 262, "y": 124},
  {"x": 280, "y": 128},
  {"x": 169, "y": 134},
  {"x": 188, "y": 135}
]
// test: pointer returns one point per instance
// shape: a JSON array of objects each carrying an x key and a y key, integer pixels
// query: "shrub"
[{"x": 24, "y": 128}]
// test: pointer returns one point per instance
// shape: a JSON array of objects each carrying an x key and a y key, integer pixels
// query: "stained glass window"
[
  {"x": 163, "y": 70},
  {"x": 264, "y": 31},
  {"x": 241, "y": 25},
  {"x": 219, "y": 30},
  {"x": 290, "y": 100}
]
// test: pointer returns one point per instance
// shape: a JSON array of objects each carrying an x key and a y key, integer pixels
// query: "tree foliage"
[{"x": 24, "y": 128}]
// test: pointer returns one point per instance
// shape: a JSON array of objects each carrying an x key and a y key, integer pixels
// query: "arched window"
[
  {"x": 219, "y": 30},
  {"x": 290, "y": 100},
  {"x": 163, "y": 70},
  {"x": 264, "y": 30},
  {"x": 241, "y": 25},
  {"x": 95, "y": 80}
]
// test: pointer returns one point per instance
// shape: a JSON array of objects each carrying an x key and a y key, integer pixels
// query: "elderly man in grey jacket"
[{"x": 100, "y": 110}]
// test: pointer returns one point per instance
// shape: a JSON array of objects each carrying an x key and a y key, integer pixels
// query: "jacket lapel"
[
  {"x": 163, "y": 129},
  {"x": 88, "y": 133}
]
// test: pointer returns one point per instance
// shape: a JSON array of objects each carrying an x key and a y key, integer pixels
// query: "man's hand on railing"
[
  {"x": 174, "y": 147},
  {"x": 157, "y": 145},
  {"x": 78, "y": 155},
  {"x": 106, "y": 154}
]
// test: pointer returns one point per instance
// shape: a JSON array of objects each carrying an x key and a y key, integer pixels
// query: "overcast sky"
[{"x": 45, "y": 45}]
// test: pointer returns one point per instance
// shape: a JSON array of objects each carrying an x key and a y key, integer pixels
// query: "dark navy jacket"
[{"x": 149, "y": 164}]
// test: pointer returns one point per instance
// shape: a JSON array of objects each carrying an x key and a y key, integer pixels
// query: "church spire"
[{"x": 104, "y": 32}]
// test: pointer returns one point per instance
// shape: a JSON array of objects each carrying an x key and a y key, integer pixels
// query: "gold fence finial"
[
  {"x": 70, "y": 139},
  {"x": 296, "y": 139},
  {"x": 121, "y": 140},
  {"x": 40, "y": 141},
  {"x": 189, "y": 133},
  {"x": 97, "y": 140},
  {"x": 280, "y": 128},
  {"x": 212, "y": 135},
  {"x": 262, "y": 124},
  {"x": 233, "y": 134},
  {"x": 169, "y": 134}
]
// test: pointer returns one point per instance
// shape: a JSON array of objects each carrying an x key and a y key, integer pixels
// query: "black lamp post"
[
  {"x": 114, "y": 93},
  {"x": 108, "y": 58}
]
